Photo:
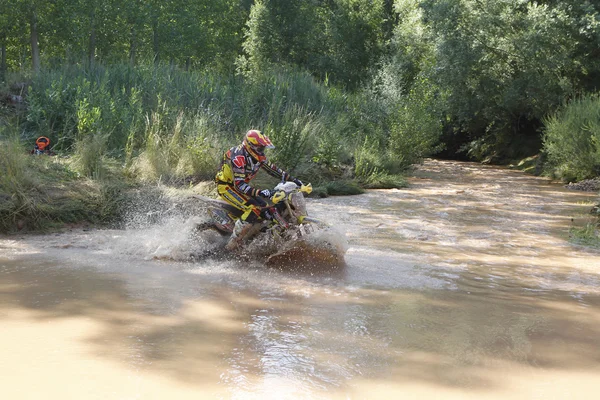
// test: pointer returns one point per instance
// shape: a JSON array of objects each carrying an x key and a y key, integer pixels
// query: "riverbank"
[
  {"x": 587, "y": 234},
  {"x": 48, "y": 193}
]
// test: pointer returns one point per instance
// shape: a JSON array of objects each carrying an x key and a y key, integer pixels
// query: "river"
[{"x": 462, "y": 286}]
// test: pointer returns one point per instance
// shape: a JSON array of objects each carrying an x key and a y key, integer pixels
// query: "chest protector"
[{"x": 237, "y": 165}]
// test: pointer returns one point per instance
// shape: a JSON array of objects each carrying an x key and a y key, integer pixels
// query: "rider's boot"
[{"x": 240, "y": 230}]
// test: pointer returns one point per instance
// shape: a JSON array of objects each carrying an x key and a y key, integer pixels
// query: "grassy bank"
[
  {"x": 118, "y": 129},
  {"x": 588, "y": 235},
  {"x": 42, "y": 192},
  {"x": 171, "y": 124}
]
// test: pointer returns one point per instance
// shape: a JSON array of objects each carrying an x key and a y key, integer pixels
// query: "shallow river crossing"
[{"x": 462, "y": 286}]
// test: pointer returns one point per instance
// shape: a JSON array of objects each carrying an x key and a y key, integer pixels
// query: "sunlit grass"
[
  {"x": 159, "y": 114},
  {"x": 116, "y": 127},
  {"x": 40, "y": 192},
  {"x": 384, "y": 180},
  {"x": 588, "y": 235},
  {"x": 571, "y": 139}
]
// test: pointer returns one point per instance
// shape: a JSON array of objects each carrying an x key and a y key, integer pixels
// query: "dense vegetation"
[{"x": 349, "y": 90}]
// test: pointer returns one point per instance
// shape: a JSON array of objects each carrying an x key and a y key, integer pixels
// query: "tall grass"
[
  {"x": 168, "y": 124},
  {"x": 588, "y": 235},
  {"x": 572, "y": 139},
  {"x": 12, "y": 160},
  {"x": 162, "y": 124},
  {"x": 176, "y": 151},
  {"x": 42, "y": 191},
  {"x": 89, "y": 156},
  {"x": 15, "y": 182}
]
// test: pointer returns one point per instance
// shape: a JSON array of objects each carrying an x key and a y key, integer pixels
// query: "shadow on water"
[
  {"x": 465, "y": 281},
  {"x": 322, "y": 335}
]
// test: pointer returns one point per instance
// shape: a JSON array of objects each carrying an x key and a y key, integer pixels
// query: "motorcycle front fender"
[{"x": 303, "y": 219}]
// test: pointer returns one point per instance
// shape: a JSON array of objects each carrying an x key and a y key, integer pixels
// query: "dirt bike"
[{"x": 283, "y": 234}]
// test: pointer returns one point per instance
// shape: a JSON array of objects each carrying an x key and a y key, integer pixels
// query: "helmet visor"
[{"x": 260, "y": 150}]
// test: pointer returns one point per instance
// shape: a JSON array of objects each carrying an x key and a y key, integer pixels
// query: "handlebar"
[
  {"x": 306, "y": 188},
  {"x": 280, "y": 195}
]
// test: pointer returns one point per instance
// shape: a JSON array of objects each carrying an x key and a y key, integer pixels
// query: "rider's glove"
[
  {"x": 297, "y": 182},
  {"x": 266, "y": 193}
]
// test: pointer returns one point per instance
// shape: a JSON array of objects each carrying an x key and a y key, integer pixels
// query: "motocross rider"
[{"x": 239, "y": 166}]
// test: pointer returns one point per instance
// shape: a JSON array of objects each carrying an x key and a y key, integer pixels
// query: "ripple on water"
[{"x": 492, "y": 303}]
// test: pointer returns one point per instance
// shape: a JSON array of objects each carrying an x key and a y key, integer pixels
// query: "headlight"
[{"x": 298, "y": 203}]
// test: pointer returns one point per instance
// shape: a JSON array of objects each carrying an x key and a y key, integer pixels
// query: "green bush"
[
  {"x": 588, "y": 235},
  {"x": 343, "y": 188},
  {"x": 572, "y": 139},
  {"x": 416, "y": 127},
  {"x": 368, "y": 160},
  {"x": 15, "y": 181},
  {"x": 167, "y": 124}
]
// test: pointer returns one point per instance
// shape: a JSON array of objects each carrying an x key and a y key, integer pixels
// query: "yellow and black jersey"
[{"x": 238, "y": 168}]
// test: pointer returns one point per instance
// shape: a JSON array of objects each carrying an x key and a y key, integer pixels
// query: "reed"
[
  {"x": 40, "y": 192},
  {"x": 168, "y": 124},
  {"x": 572, "y": 139},
  {"x": 13, "y": 180},
  {"x": 588, "y": 235}
]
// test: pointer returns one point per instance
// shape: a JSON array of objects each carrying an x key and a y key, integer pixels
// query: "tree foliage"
[
  {"x": 483, "y": 74},
  {"x": 503, "y": 65},
  {"x": 572, "y": 139},
  {"x": 199, "y": 32},
  {"x": 338, "y": 40}
]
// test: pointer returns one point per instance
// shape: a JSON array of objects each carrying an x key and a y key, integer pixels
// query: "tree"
[
  {"x": 7, "y": 27},
  {"x": 504, "y": 64},
  {"x": 340, "y": 40},
  {"x": 32, "y": 14}
]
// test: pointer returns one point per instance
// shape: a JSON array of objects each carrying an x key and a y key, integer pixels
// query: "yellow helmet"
[{"x": 256, "y": 143}]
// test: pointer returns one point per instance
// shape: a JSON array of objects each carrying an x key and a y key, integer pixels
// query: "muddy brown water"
[{"x": 462, "y": 286}]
